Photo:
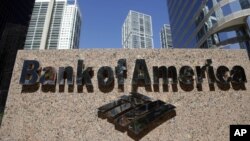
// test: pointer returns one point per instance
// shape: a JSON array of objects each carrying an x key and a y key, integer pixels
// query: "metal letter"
[
  {"x": 160, "y": 72},
  {"x": 186, "y": 75},
  {"x": 210, "y": 71},
  {"x": 48, "y": 76},
  {"x": 84, "y": 77},
  {"x": 172, "y": 75},
  {"x": 238, "y": 75},
  {"x": 105, "y": 76},
  {"x": 223, "y": 75},
  {"x": 200, "y": 74},
  {"x": 141, "y": 73},
  {"x": 65, "y": 73},
  {"x": 29, "y": 74},
  {"x": 121, "y": 71}
]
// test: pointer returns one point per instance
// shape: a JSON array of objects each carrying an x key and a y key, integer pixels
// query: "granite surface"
[{"x": 72, "y": 116}]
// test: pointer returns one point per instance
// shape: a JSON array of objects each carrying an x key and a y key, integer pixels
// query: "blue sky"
[{"x": 102, "y": 20}]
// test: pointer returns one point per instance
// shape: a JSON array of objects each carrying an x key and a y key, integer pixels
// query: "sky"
[{"x": 102, "y": 20}]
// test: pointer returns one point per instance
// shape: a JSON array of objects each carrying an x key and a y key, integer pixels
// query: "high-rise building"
[
  {"x": 166, "y": 38},
  {"x": 14, "y": 20},
  {"x": 12, "y": 40},
  {"x": 15, "y": 12},
  {"x": 55, "y": 24},
  {"x": 137, "y": 31},
  {"x": 210, "y": 23}
]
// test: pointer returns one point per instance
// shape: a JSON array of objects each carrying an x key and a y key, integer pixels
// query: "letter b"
[{"x": 29, "y": 74}]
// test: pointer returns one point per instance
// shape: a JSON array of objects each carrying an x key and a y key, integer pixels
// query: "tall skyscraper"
[
  {"x": 15, "y": 12},
  {"x": 12, "y": 40},
  {"x": 166, "y": 37},
  {"x": 210, "y": 23},
  {"x": 137, "y": 31},
  {"x": 55, "y": 24},
  {"x": 14, "y": 20}
]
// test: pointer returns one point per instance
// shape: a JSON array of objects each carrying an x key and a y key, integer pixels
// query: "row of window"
[
  {"x": 55, "y": 25},
  {"x": 35, "y": 30},
  {"x": 215, "y": 16},
  {"x": 218, "y": 14}
]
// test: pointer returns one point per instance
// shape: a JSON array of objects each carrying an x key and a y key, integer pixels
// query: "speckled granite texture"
[{"x": 72, "y": 116}]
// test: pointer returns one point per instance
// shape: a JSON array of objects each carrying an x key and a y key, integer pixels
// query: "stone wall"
[{"x": 200, "y": 115}]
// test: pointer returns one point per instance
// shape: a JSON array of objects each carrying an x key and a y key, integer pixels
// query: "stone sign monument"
[{"x": 134, "y": 94}]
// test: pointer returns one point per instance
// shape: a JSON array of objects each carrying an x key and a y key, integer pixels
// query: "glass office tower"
[
  {"x": 166, "y": 37},
  {"x": 55, "y": 24},
  {"x": 137, "y": 31},
  {"x": 12, "y": 40},
  {"x": 14, "y": 21},
  {"x": 209, "y": 23},
  {"x": 15, "y": 12}
]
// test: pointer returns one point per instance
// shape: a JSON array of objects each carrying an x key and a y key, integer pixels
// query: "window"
[
  {"x": 231, "y": 8},
  {"x": 245, "y": 4}
]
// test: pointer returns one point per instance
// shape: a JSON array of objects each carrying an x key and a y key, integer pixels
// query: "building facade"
[
  {"x": 14, "y": 21},
  {"x": 12, "y": 40},
  {"x": 210, "y": 23},
  {"x": 15, "y": 12},
  {"x": 55, "y": 24},
  {"x": 137, "y": 31},
  {"x": 166, "y": 37}
]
